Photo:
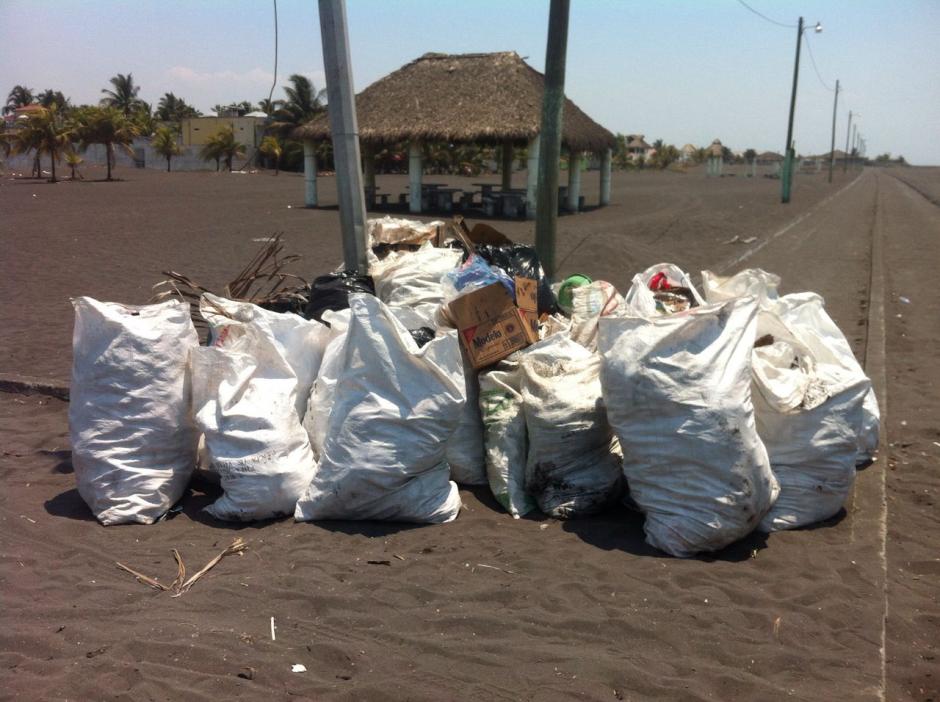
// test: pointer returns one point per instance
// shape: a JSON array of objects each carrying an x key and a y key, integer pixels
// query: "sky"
[{"x": 685, "y": 71}]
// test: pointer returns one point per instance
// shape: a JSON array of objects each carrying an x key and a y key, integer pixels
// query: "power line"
[
  {"x": 813, "y": 60},
  {"x": 765, "y": 17}
]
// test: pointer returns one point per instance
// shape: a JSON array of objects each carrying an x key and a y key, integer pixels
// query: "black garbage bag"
[
  {"x": 422, "y": 335},
  {"x": 521, "y": 260},
  {"x": 331, "y": 292}
]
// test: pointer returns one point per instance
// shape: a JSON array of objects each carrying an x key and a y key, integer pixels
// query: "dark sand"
[{"x": 568, "y": 610}]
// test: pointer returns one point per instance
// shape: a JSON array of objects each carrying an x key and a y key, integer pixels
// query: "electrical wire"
[
  {"x": 813, "y": 60},
  {"x": 772, "y": 21},
  {"x": 274, "y": 83}
]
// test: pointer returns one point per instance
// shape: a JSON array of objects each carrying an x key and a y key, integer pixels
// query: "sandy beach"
[{"x": 485, "y": 607}]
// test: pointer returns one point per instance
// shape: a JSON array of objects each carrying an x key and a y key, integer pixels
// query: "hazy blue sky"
[{"x": 680, "y": 70}]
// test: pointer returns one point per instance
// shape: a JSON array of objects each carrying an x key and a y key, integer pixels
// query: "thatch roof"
[
  {"x": 637, "y": 141},
  {"x": 484, "y": 98}
]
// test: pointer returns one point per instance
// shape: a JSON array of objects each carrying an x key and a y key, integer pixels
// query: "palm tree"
[
  {"x": 45, "y": 132},
  {"x": 303, "y": 103},
  {"x": 107, "y": 126},
  {"x": 50, "y": 97},
  {"x": 142, "y": 116},
  {"x": 20, "y": 96},
  {"x": 271, "y": 146},
  {"x": 174, "y": 109},
  {"x": 269, "y": 106},
  {"x": 124, "y": 95},
  {"x": 74, "y": 161},
  {"x": 222, "y": 145},
  {"x": 164, "y": 143}
]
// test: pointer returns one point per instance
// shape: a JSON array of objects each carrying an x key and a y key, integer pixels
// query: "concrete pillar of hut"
[
  {"x": 414, "y": 177},
  {"x": 368, "y": 166},
  {"x": 606, "y": 158},
  {"x": 574, "y": 181},
  {"x": 310, "y": 175},
  {"x": 507, "y": 165},
  {"x": 532, "y": 181}
]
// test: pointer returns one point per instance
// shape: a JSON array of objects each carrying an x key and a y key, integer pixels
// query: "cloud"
[{"x": 185, "y": 74}]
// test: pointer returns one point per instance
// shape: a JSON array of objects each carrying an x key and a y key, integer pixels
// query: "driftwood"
[{"x": 180, "y": 584}]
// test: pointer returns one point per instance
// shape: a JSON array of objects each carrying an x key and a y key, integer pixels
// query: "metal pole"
[
  {"x": 845, "y": 159},
  {"x": 345, "y": 131},
  {"x": 788, "y": 161},
  {"x": 854, "y": 147},
  {"x": 553, "y": 100},
  {"x": 832, "y": 148}
]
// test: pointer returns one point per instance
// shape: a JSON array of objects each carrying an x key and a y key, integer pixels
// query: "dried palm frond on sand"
[
  {"x": 180, "y": 585},
  {"x": 263, "y": 281}
]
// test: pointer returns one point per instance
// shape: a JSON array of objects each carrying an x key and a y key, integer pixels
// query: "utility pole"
[
  {"x": 832, "y": 148},
  {"x": 553, "y": 100},
  {"x": 854, "y": 143},
  {"x": 848, "y": 132},
  {"x": 789, "y": 155},
  {"x": 344, "y": 127}
]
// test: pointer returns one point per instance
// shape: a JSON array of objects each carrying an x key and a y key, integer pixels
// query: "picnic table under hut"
[{"x": 487, "y": 99}]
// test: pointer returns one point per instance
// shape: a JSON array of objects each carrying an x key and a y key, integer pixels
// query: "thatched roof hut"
[{"x": 482, "y": 98}]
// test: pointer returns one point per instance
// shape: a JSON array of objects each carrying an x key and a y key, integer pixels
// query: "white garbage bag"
[
  {"x": 505, "y": 436},
  {"x": 396, "y": 230},
  {"x": 413, "y": 278},
  {"x": 573, "y": 464},
  {"x": 465, "y": 449},
  {"x": 130, "y": 420},
  {"x": 809, "y": 405},
  {"x": 394, "y": 408},
  {"x": 678, "y": 395},
  {"x": 300, "y": 341},
  {"x": 244, "y": 399},
  {"x": 764, "y": 286},
  {"x": 640, "y": 300},
  {"x": 320, "y": 401},
  {"x": 589, "y": 303},
  {"x": 752, "y": 281},
  {"x": 806, "y": 316}
]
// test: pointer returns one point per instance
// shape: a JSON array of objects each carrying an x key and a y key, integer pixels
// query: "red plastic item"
[{"x": 659, "y": 282}]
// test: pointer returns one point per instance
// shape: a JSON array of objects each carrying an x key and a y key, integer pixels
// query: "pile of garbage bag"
[{"x": 448, "y": 362}]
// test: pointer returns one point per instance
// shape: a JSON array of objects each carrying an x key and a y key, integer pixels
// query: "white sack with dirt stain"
[
  {"x": 809, "y": 400},
  {"x": 678, "y": 395},
  {"x": 573, "y": 464},
  {"x": 130, "y": 419},
  {"x": 394, "y": 408},
  {"x": 244, "y": 395}
]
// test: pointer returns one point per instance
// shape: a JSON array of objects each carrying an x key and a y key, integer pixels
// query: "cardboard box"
[{"x": 492, "y": 325}]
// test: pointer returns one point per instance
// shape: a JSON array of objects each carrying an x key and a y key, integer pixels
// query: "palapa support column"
[
  {"x": 310, "y": 174},
  {"x": 606, "y": 159},
  {"x": 532, "y": 180},
  {"x": 368, "y": 174},
  {"x": 574, "y": 181},
  {"x": 507, "y": 165},
  {"x": 414, "y": 177}
]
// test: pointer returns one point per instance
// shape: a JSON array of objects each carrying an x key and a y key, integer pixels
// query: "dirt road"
[{"x": 535, "y": 609}]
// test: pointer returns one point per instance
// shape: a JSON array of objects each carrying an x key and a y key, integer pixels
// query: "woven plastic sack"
[
  {"x": 573, "y": 464},
  {"x": 394, "y": 408},
  {"x": 130, "y": 422},
  {"x": 678, "y": 395}
]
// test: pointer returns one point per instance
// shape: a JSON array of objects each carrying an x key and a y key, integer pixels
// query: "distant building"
[
  {"x": 687, "y": 153},
  {"x": 21, "y": 114},
  {"x": 769, "y": 158},
  {"x": 248, "y": 130},
  {"x": 637, "y": 147}
]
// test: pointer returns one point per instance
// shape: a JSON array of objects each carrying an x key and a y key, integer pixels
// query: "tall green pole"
[
  {"x": 832, "y": 148},
  {"x": 788, "y": 160},
  {"x": 553, "y": 100}
]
